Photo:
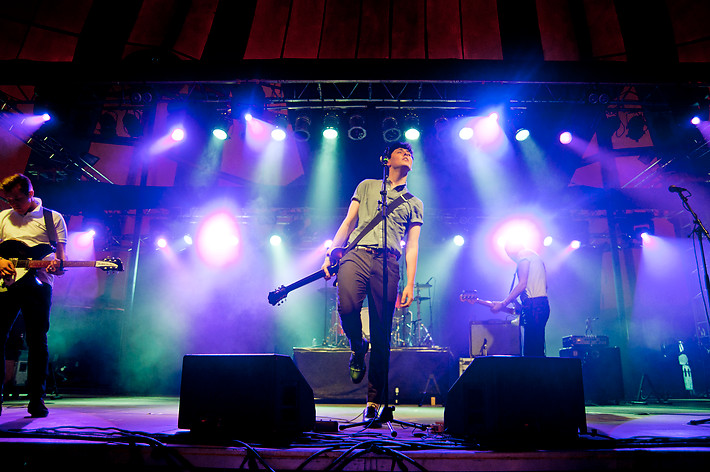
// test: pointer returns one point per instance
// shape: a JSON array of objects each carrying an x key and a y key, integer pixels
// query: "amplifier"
[{"x": 575, "y": 341}]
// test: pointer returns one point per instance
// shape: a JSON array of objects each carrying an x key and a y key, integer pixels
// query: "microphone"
[
  {"x": 385, "y": 156},
  {"x": 675, "y": 189}
]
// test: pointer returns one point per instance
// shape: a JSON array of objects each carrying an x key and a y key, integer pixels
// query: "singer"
[{"x": 360, "y": 273}]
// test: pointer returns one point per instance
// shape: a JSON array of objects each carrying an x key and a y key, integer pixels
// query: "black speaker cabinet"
[
  {"x": 507, "y": 401},
  {"x": 494, "y": 338},
  {"x": 245, "y": 395},
  {"x": 601, "y": 373}
]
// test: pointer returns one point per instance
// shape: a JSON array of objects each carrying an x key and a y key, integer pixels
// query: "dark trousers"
[
  {"x": 34, "y": 300},
  {"x": 535, "y": 313},
  {"x": 360, "y": 275}
]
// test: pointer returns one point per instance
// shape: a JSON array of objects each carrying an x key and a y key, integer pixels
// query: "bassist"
[{"x": 27, "y": 222}]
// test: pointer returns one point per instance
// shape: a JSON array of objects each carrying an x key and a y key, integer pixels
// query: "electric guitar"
[
  {"x": 472, "y": 298},
  {"x": 277, "y": 296},
  {"x": 27, "y": 259}
]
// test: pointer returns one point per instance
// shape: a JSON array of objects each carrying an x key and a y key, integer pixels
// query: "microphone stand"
[
  {"x": 700, "y": 230},
  {"x": 386, "y": 415}
]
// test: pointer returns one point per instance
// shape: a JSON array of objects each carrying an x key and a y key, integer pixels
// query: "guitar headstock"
[
  {"x": 277, "y": 297},
  {"x": 469, "y": 296},
  {"x": 110, "y": 264}
]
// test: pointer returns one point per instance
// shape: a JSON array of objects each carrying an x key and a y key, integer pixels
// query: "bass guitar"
[
  {"x": 472, "y": 298},
  {"x": 27, "y": 259},
  {"x": 276, "y": 297}
]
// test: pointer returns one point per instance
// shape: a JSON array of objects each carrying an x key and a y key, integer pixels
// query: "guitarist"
[
  {"x": 532, "y": 290},
  {"x": 360, "y": 270},
  {"x": 32, "y": 295}
]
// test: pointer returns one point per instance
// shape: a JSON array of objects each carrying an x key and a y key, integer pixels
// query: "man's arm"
[
  {"x": 523, "y": 271},
  {"x": 341, "y": 236},
  {"x": 411, "y": 254},
  {"x": 55, "y": 266}
]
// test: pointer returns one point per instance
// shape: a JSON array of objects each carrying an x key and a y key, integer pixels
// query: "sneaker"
[
  {"x": 36, "y": 409},
  {"x": 370, "y": 413},
  {"x": 357, "y": 364}
]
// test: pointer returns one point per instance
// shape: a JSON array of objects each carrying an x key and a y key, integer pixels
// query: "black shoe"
[
  {"x": 36, "y": 409},
  {"x": 370, "y": 413},
  {"x": 357, "y": 364}
]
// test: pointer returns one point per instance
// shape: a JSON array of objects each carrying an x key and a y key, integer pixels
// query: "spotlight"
[
  {"x": 411, "y": 126},
  {"x": 695, "y": 120},
  {"x": 275, "y": 240},
  {"x": 279, "y": 132},
  {"x": 390, "y": 129},
  {"x": 357, "y": 130},
  {"x": 132, "y": 125},
  {"x": 178, "y": 134},
  {"x": 188, "y": 239},
  {"x": 636, "y": 128},
  {"x": 466, "y": 133},
  {"x": 331, "y": 121},
  {"x": 107, "y": 125},
  {"x": 440, "y": 126},
  {"x": 565, "y": 137},
  {"x": 248, "y": 116},
  {"x": 547, "y": 242},
  {"x": 458, "y": 240},
  {"x": 161, "y": 243},
  {"x": 46, "y": 117},
  {"x": 522, "y": 134},
  {"x": 221, "y": 129},
  {"x": 576, "y": 244},
  {"x": 302, "y": 128}
]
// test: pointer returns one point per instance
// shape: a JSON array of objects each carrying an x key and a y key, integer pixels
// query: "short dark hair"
[
  {"x": 16, "y": 179},
  {"x": 399, "y": 145}
]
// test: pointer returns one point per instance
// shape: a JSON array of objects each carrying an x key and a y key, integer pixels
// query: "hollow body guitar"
[{"x": 27, "y": 259}]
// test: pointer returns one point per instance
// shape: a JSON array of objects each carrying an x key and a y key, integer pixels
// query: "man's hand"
[
  {"x": 497, "y": 306},
  {"x": 7, "y": 268},
  {"x": 407, "y": 297},
  {"x": 325, "y": 266},
  {"x": 55, "y": 267}
]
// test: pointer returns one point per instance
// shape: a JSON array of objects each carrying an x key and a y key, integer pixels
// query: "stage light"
[
  {"x": 576, "y": 244},
  {"x": 107, "y": 125},
  {"x": 161, "y": 243},
  {"x": 565, "y": 137},
  {"x": 248, "y": 116},
  {"x": 188, "y": 239},
  {"x": 357, "y": 130},
  {"x": 328, "y": 244},
  {"x": 494, "y": 116},
  {"x": 132, "y": 125},
  {"x": 411, "y": 126},
  {"x": 221, "y": 129},
  {"x": 458, "y": 240},
  {"x": 281, "y": 125},
  {"x": 636, "y": 127},
  {"x": 466, "y": 133},
  {"x": 331, "y": 121},
  {"x": 547, "y": 242},
  {"x": 178, "y": 134},
  {"x": 46, "y": 117},
  {"x": 302, "y": 128},
  {"x": 275, "y": 240},
  {"x": 695, "y": 120},
  {"x": 522, "y": 134},
  {"x": 390, "y": 129}
]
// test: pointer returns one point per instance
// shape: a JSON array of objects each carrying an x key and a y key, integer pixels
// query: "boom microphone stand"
[{"x": 386, "y": 414}]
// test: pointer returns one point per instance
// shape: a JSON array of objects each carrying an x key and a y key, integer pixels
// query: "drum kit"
[{"x": 408, "y": 328}]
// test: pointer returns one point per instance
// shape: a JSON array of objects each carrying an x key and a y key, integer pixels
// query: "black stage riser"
[{"x": 416, "y": 375}]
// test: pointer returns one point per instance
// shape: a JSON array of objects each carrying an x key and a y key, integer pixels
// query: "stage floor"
[{"x": 118, "y": 433}]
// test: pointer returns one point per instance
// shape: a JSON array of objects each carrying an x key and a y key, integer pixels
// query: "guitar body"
[{"x": 27, "y": 259}]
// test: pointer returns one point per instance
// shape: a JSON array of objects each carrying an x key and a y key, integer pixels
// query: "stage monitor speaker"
[
  {"x": 509, "y": 401},
  {"x": 601, "y": 373},
  {"x": 259, "y": 396},
  {"x": 494, "y": 338}
]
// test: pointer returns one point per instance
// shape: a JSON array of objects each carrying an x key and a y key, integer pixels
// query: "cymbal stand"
[{"x": 426, "y": 340}]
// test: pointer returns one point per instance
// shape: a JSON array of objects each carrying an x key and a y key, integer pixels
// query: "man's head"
[
  {"x": 18, "y": 191},
  {"x": 400, "y": 154},
  {"x": 513, "y": 249}
]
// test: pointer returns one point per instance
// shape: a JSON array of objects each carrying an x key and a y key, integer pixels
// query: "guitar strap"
[
  {"x": 51, "y": 229},
  {"x": 377, "y": 218}
]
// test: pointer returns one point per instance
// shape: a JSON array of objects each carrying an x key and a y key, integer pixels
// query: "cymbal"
[
  {"x": 419, "y": 299},
  {"x": 426, "y": 285}
]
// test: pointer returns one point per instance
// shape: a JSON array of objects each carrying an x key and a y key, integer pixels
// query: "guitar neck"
[
  {"x": 487, "y": 303},
  {"x": 32, "y": 264},
  {"x": 305, "y": 281}
]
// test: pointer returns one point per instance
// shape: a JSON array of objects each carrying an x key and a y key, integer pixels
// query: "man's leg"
[
  {"x": 9, "y": 308},
  {"x": 352, "y": 287},
  {"x": 35, "y": 310}
]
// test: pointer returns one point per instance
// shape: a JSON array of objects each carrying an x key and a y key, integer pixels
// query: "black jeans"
[
  {"x": 360, "y": 275},
  {"x": 535, "y": 313},
  {"x": 34, "y": 300}
]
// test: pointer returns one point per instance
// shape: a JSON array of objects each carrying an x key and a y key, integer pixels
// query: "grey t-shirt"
[{"x": 410, "y": 212}]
